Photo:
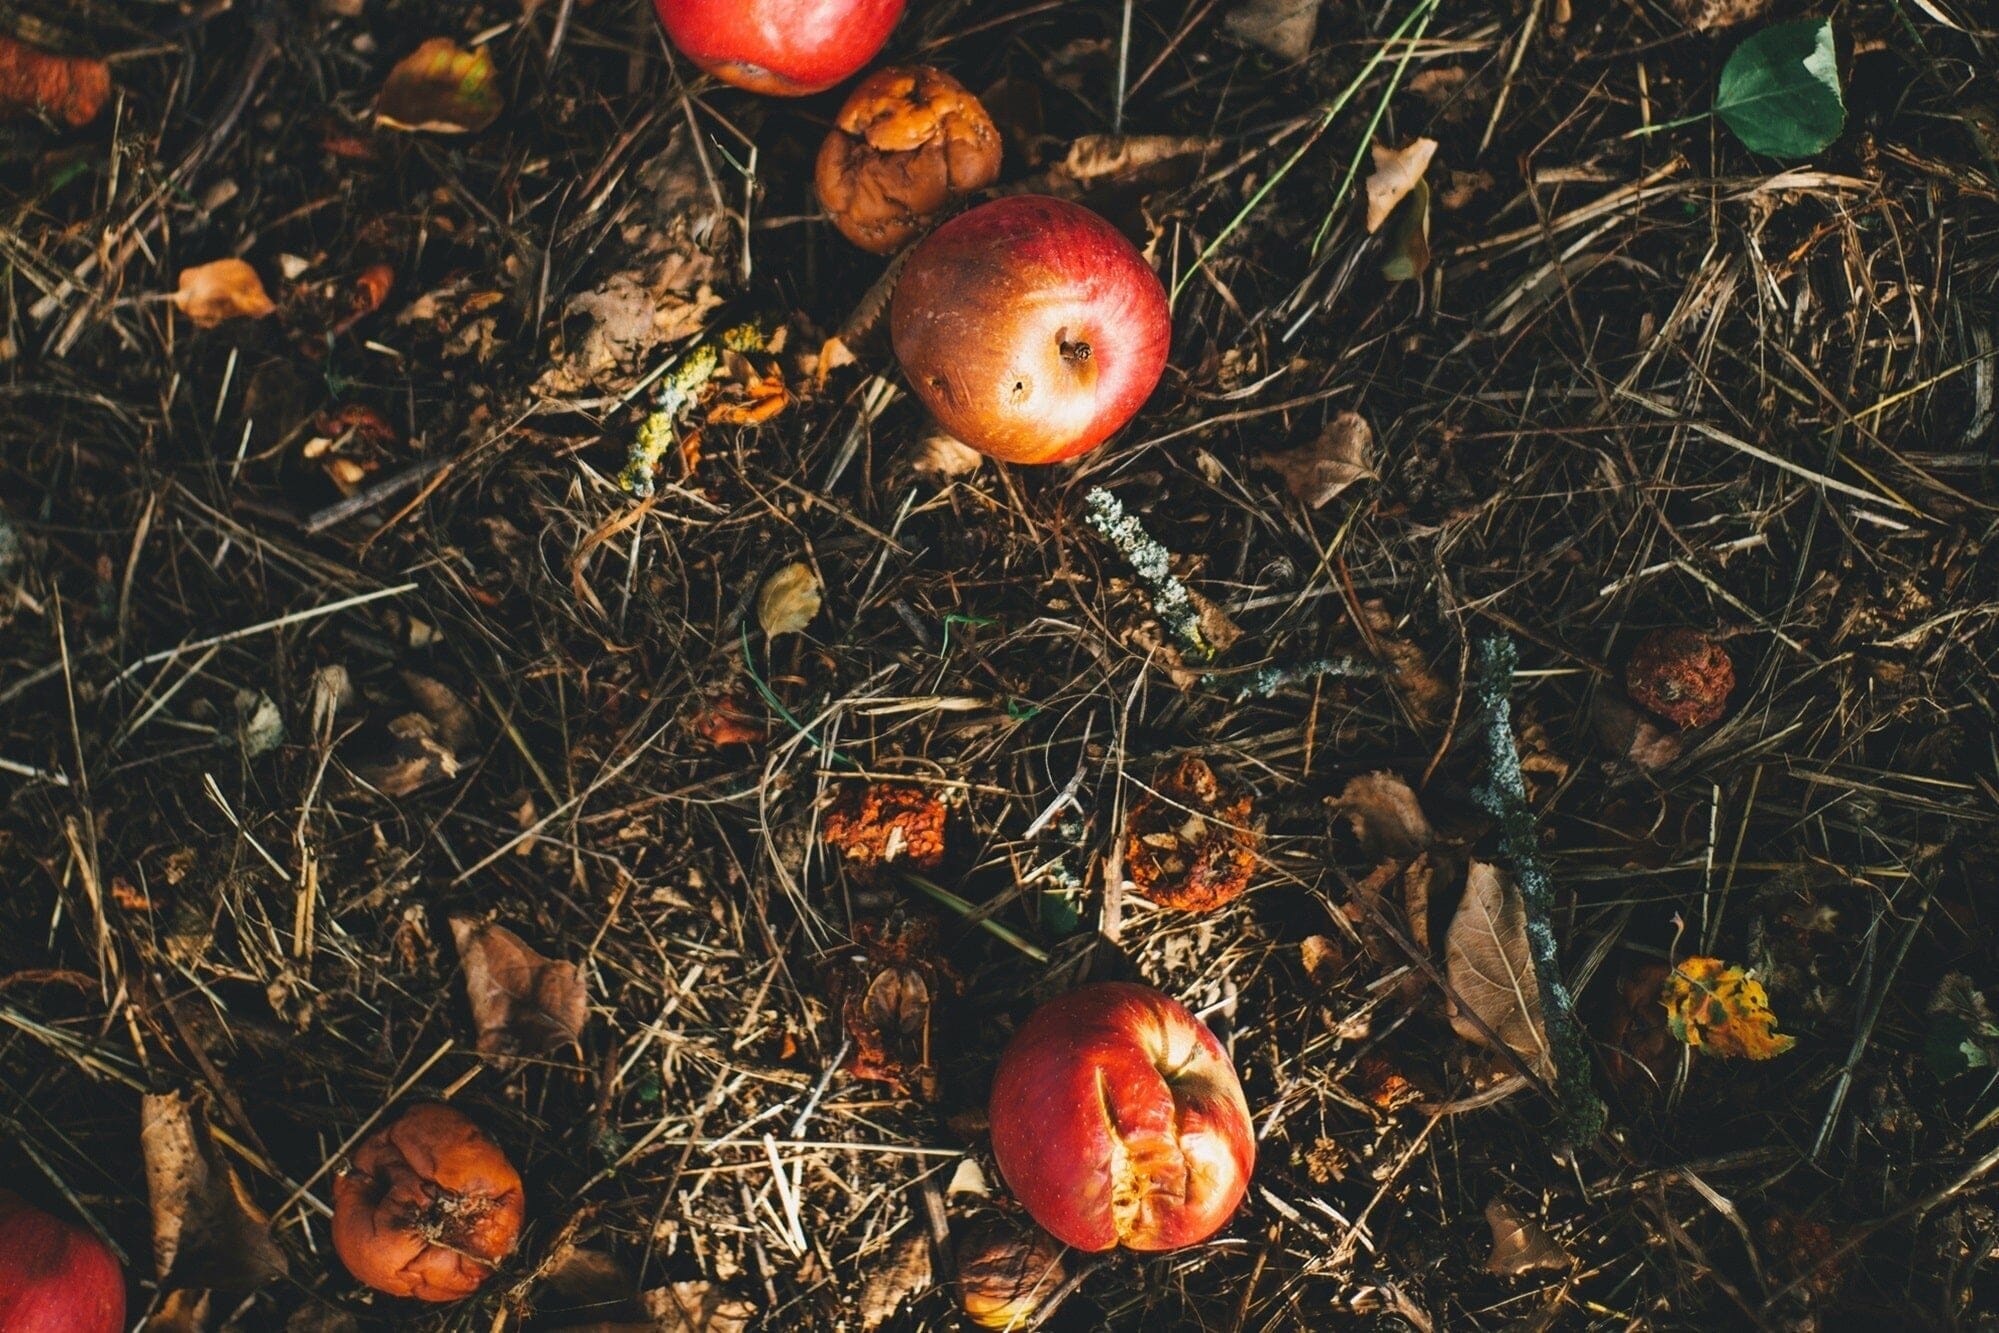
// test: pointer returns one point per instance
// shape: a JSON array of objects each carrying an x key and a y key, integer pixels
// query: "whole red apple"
[
  {"x": 55, "y": 1277},
  {"x": 786, "y": 48},
  {"x": 1118, "y": 1120},
  {"x": 1031, "y": 328}
]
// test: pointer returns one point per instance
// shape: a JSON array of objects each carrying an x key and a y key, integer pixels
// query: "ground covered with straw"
[{"x": 328, "y": 636}]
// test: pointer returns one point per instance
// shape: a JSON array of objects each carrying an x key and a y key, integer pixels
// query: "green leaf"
[{"x": 1780, "y": 90}]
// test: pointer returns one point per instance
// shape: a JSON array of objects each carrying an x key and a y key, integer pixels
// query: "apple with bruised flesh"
[
  {"x": 1117, "y": 1120},
  {"x": 55, "y": 1277},
  {"x": 786, "y": 48},
  {"x": 1030, "y": 327}
]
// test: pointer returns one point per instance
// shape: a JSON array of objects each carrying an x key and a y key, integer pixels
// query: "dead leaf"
[
  {"x": 1385, "y": 816},
  {"x": 1631, "y": 736},
  {"x": 522, "y": 1003},
  {"x": 1342, "y": 455},
  {"x": 1723, "y": 1010},
  {"x": 788, "y": 600},
  {"x": 209, "y": 294},
  {"x": 1094, "y": 156},
  {"x": 697, "y": 1307},
  {"x": 1407, "y": 256},
  {"x": 1322, "y": 957},
  {"x": 941, "y": 458},
  {"x": 904, "y": 1273},
  {"x": 1519, "y": 1244},
  {"x": 1707, "y": 15},
  {"x": 429, "y": 744},
  {"x": 1491, "y": 972},
  {"x": 1284, "y": 28},
  {"x": 441, "y": 88},
  {"x": 1422, "y": 691},
  {"x": 1396, "y": 173},
  {"x": 34, "y": 82},
  {"x": 207, "y": 1231}
]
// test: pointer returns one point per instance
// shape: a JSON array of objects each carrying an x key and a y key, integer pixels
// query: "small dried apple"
[{"x": 908, "y": 144}]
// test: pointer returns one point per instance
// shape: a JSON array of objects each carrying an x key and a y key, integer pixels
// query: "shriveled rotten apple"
[
  {"x": 786, "y": 48},
  {"x": 1031, "y": 327},
  {"x": 427, "y": 1207},
  {"x": 907, "y": 145},
  {"x": 1117, "y": 1119},
  {"x": 55, "y": 1277}
]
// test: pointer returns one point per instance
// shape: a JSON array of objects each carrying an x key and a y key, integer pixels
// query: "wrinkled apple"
[
  {"x": 1031, "y": 328},
  {"x": 55, "y": 1277},
  {"x": 908, "y": 144},
  {"x": 786, "y": 48},
  {"x": 1117, "y": 1119},
  {"x": 427, "y": 1206}
]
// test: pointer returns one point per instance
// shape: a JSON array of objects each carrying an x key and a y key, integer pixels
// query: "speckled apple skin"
[
  {"x": 987, "y": 304},
  {"x": 782, "y": 48},
  {"x": 1117, "y": 1120},
  {"x": 55, "y": 1277}
]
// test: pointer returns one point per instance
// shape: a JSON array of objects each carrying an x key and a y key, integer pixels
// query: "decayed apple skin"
[
  {"x": 1031, "y": 328},
  {"x": 782, "y": 48},
  {"x": 1117, "y": 1119},
  {"x": 55, "y": 1277}
]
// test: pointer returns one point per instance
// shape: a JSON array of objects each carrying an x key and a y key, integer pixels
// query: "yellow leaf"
[
  {"x": 440, "y": 87},
  {"x": 226, "y": 289},
  {"x": 1721, "y": 1009}
]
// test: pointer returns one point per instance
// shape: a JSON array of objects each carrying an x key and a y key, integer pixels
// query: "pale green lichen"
[
  {"x": 659, "y": 433},
  {"x": 1152, "y": 563}
]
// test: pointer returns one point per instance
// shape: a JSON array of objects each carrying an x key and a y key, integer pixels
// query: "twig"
[
  {"x": 1503, "y": 795},
  {"x": 1153, "y": 564}
]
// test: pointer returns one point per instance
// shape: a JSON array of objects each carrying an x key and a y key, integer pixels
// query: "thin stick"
[{"x": 294, "y": 618}]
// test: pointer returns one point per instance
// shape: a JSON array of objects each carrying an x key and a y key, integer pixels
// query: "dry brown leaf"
[
  {"x": 788, "y": 599},
  {"x": 1519, "y": 1244},
  {"x": 34, "y": 82},
  {"x": 1407, "y": 256},
  {"x": 1386, "y": 817},
  {"x": 942, "y": 457},
  {"x": 1631, "y": 736},
  {"x": 697, "y": 1307},
  {"x": 429, "y": 744},
  {"x": 1707, "y": 15},
  {"x": 1284, "y": 28},
  {"x": 1095, "y": 156},
  {"x": 1422, "y": 691},
  {"x": 1491, "y": 971},
  {"x": 207, "y": 1231},
  {"x": 1396, "y": 172},
  {"x": 904, "y": 1273},
  {"x": 522, "y": 1003},
  {"x": 441, "y": 88},
  {"x": 209, "y": 294},
  {"x": 1342, "y": 455}
]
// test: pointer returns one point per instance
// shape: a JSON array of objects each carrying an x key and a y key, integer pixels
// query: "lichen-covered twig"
[
  {"x": 660, "y": 431},
  {"x": 1178, "y": 608},
  {"x": 1268, "y": 680},
  {"x": 1503, "y": 795}
]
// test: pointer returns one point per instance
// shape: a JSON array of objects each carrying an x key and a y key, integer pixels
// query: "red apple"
[
  {"x": 1117, "y": 1120},
  {"x": 786, "y": 48},
  {"x": 1031, "y": 328},
  {"x": 55, "y": 1277}
]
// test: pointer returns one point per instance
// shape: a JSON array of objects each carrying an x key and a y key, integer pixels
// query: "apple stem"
[{"x": 1075, "y": 351}]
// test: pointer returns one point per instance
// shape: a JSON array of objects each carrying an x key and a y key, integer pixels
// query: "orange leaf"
[
  {"x": 1723, "y": 1010},
  {"x": 440, "y": 87},
  {"x": 34, "y": 82},
  {"x": 226, "y": 289}
]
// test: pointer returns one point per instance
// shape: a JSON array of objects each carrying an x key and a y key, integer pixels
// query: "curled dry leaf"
[
  {"x": 1422, "y": 691},
  {"x": 1284, "y": 28},
  {"x": 429, "y": 743},
  {"x": 522, "y": 1003},
  {"x": 1386, "y": 817},
  {"x": 1639, "y": 1053},
  {"x": 1342, "y": 455},
  {"x": 441, "y": 88},
  {"x": 1631, "y": 736},
  {"x": 1519, "y": 1244},
  {"x": 1407, "y": 256},
  {"x": 1190, "y": 843},
  {"x": 207, "y": 1231},
  {"x": 210, "y": 294},
  {"x": 727, "y": 717},
  {"x": 1396, "y": 173},
  {"x": 901, "y": 1274},
  {"x": 1491, "y": 971},
  {"x": 788, "y": 600},
  {"x": 943, "y": 457},
  {"x": 34, "y": 82},
  {"x": 1723, "y": 1010},
  {"x": 886, "y": 824},
  {"x": 1092, "y": 157},
  {"x": 697, "y": 1307}
]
